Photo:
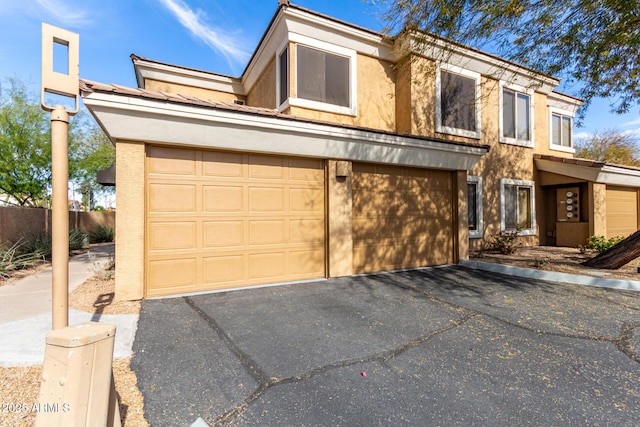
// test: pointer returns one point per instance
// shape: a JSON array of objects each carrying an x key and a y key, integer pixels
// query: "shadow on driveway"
[{"x": 439, "y": 346}]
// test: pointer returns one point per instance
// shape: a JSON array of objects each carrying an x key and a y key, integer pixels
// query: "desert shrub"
[
  {"x": 102, "y": 233},
  {"x": 505, "y": 242},
  {"x": 13, "y": 257},
  {"x": 601, "y": 244},
  {"x": 77, "y": 240},
  {"x": 38, "y": 244}
]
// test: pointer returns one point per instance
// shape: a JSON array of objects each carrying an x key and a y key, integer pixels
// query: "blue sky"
[{"x": 213, "y": 35}]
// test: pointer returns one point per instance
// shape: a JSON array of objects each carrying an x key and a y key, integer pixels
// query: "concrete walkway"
[{"x": 25, "y": 315}]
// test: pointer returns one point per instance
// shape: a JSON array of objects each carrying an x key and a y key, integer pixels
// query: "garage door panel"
[
  {"x": 223, "y": 269},
  {"x": 222, "y": 165},
  {"x": 171, "y": 161},
  {"x": 399, "y": 216},
  {"x": 172, "y": 236},
  {"x": 172, "y": 198},
  {"x": 223, "y": 234},
  {"x": 267, "y": 199},
  {"x": 307, "y": 263},
  {"x": 266, "y": 167},
  {"x": 622, "y": 211},
  {"x": 306, "y": 200},
  {"x": 271, "y": 265},
  {"x": 258, "y": 219},
  {"x": 173, "y": 273},
  {"x": 267, "y": 232},
  {"x": 306, "y": 170},
  {"x": 223, "y": 199},
  {"x": 306, "y": 231}
]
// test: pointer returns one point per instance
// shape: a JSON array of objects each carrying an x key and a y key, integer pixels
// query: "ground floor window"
[
  {"x": 517, "y": 206},
  {"x": 474, "y": 206}
]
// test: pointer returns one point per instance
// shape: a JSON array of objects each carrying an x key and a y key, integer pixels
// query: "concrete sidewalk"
[{"x": 25, "y": 314}]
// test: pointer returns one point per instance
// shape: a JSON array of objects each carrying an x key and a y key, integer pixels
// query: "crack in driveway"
[{"x": 265, "y": 384}]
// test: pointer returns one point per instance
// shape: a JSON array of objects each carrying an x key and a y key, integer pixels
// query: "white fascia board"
[
  {"x": 291, "y": 23},
  {"x": 484, "y": 64},
  {"x": 341, "y": 35},
  {"x": 125, "y": 118},
  {"x": 178, "y": 75},
  {"x": 563, "y": 102},
  {"x": 607, "y": 174}
]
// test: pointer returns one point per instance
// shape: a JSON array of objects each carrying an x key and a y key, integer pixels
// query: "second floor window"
[
  {"x": 561, "y": 130},
  {"x": 516, "y": 120},
  {"x": 458, "y": 102},
  {"x": 323, "y": 76}
]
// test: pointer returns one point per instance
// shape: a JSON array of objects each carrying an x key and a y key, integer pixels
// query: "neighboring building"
[{"x": 341, "y": 151}]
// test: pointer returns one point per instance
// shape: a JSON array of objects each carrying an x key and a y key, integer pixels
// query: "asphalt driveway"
[{"x": 442, "y": 346}]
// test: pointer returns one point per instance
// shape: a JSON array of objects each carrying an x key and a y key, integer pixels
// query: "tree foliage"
[
  {"x": 593, "y": 43},
  {"x": 25, "y": 149},
  {"x": 610, "y": 146}
]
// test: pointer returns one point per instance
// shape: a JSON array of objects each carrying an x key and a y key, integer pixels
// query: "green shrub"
[
  {"x": 505, "y": 242},
  {"x": 102, "y": 233},
  {"x": 601, "y": 244},
  {"x": 77, "y": 240}
]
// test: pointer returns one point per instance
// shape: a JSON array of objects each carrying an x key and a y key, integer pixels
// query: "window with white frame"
[
  {"x": 458, "y": 102},
  {"x": 322, "y": 76},
  {"x": 561, "y": 130},
  {"x": 474, "y": 206},
  {"x": 516, "y": 120},
  {"x": 283, "y": 76},
  {"x": 517, "y": 206}
]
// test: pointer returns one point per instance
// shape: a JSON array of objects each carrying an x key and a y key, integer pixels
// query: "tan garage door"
[
  {"x": 402, "y": 218},
  {"x": 220, "y": 220},
  {"x": 622, "y": 211}
]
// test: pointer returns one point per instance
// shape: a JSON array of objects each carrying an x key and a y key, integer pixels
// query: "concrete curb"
[{"x": 620, "y": 284}]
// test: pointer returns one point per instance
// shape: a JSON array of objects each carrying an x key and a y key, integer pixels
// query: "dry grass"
[{"x": 20, "y": 385}]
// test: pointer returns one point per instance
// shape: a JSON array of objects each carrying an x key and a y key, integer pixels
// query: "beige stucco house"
[{"x": 341, "y": 151}]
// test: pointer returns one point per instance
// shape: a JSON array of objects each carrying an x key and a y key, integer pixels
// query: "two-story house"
[{"x": 339, "y": 151}]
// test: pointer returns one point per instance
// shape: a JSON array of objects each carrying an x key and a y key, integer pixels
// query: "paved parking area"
[{"x": 441, "y": 346}]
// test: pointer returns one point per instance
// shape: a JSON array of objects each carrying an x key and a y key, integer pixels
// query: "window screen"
[
  {"x": 458, "y": 101},
  {"x": 284, "y": 75},
  {"x": 322, "y": 76}
]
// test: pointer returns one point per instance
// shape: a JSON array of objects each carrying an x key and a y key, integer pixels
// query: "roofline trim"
[{"x": 142, "y": 119}]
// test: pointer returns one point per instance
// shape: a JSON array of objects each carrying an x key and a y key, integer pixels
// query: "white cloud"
[
  {"x": 61, "y": 12},
  {"x": 632, "y": 122},
  {"x": 582, "y": 135},
  {"x": 216, "y": 38}
]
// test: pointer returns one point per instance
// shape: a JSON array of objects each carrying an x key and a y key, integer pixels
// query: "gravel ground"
[
  {"x": 562, "y": 260},
  {"x": 20, "y": 385}
]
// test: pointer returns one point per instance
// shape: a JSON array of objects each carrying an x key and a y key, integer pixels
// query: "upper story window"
[
  {"x": 458, "y": 102},
  {"x": 324, "y": 76},
  {"x": 516, "y": 120},
  {"x": 561, "y": 130},
  {"x": 283, "y": 76}
]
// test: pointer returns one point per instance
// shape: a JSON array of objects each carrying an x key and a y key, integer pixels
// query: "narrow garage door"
[
  {"x": 402, "y": 218},
  {"x": 219, "y": 220},
  {"x": 622, "y": 211}
]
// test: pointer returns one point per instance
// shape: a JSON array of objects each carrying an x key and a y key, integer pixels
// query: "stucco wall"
[
  {"x": 376, "y": 98},
  {"x": 263, "y": 92},
  {"x": 198, "y": 92},
  {"x": 130, "y": 158}
]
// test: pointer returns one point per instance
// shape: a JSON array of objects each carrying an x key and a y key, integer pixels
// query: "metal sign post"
[{"x": 65, "y": 83}]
